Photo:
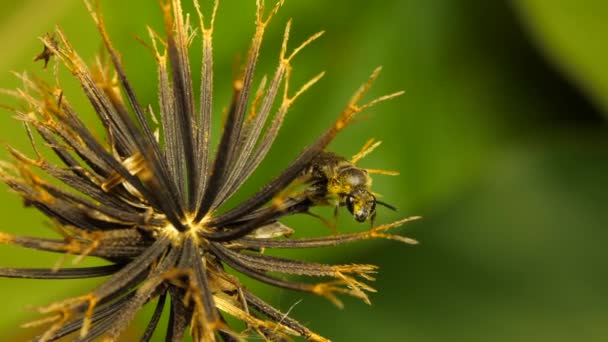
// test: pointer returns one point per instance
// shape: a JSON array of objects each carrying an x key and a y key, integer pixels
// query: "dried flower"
[{"x": 150, "y": 200}]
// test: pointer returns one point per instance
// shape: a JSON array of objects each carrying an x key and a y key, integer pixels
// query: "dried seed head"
[{"x": 151, "y": 200}]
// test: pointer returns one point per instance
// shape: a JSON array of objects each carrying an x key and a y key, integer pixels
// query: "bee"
[{"x": 332, "y": 180}]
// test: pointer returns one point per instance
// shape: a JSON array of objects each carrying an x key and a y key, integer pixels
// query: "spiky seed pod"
[{"x": 150, "y": 200}]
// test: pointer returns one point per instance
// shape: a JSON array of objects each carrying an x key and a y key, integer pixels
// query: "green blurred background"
[{"x": 501, "y": 141}]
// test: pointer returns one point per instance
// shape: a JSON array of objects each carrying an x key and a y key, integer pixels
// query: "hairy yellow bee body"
[{"x": 335, "y": 181}]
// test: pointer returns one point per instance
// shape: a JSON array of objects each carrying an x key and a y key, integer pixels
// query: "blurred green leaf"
[{"x": 572, "y": 35}]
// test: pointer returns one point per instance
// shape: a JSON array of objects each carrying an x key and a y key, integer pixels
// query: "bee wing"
[{"x": 271, "y": 230}]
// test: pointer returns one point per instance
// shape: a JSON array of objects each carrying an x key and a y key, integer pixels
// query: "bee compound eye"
[{"x": 350, "y": 203}]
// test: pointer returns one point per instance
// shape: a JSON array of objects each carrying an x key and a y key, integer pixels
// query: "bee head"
[{"x": 361, "y": 203}]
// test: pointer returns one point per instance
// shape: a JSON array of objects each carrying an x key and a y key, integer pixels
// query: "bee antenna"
[{"x": 384, "y": 204}]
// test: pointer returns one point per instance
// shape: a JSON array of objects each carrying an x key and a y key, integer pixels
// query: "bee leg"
[
  {"x": 329, "y": 224},
  {"x": 336, "y": 211}
]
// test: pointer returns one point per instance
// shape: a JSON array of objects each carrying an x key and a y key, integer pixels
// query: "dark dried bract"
[{"x": 150, "y": 200}]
